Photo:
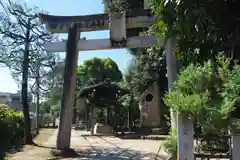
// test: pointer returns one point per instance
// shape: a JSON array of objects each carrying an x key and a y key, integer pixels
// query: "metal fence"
[{"x": 213, "y": 147}]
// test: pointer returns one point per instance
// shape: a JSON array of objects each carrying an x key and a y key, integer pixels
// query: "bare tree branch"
[{"x": 14, "y": 38}]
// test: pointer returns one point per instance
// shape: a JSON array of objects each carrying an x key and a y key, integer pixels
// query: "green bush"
[
  {"x": 210, "y": 94},
  {"x": 192, "y": 90},
  {"x": 171, "y": 143},
  {"x": 11, "y": 126},
  {"x": 231, "y": 102},
  {"x": 198, "y": 93}
]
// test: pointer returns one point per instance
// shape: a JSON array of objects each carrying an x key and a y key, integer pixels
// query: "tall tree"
[
  {"x": 98, "y": 70},
  {"x": 39, "y": 70},
  {"x": 53, "y": 96},
  {"x": 122, "y": 5},
  {"x": 146, "y": 69},
  {"x": 200, "y": 27},
  {"x": 149, "y": 64},
  {"x": 22, "y": 36},
  {"x": 92, "y": 71}
]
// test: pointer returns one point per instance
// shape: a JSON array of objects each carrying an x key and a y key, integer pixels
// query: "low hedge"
[{"x": 11, "y": 129}]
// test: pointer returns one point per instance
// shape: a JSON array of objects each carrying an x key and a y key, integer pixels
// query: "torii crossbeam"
[
  {"x": 138, "y": 18},
  {"x": 105, "y": 44}
]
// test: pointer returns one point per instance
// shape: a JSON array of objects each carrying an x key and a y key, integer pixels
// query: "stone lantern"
[{"x": 149, "y": 106}]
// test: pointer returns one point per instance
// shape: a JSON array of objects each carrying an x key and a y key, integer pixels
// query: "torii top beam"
[{"x": 59, "y": 24}]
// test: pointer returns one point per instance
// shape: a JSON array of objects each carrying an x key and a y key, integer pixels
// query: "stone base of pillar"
[
  {"x": 102, "y": 129},
  {"x": 235, "y": 147},
  {"x": 64, "y": 153}
]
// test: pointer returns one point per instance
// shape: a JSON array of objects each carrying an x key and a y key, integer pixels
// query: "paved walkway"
[
  {"x": 105, "y": 148},
  {"x": 99, "y": 148}
]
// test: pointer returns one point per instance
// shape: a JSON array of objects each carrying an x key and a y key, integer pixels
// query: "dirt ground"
[{"x": 39, "y": 152}]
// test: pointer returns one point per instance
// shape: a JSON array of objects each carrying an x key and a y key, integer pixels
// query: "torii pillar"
[{"x": 66, "y": 112}]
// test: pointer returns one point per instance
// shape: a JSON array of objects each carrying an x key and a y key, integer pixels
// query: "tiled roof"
[{"x": 14, "y": 95}]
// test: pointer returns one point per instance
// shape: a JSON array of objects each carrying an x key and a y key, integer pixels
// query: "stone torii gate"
[{"x": 117, "y": 23}]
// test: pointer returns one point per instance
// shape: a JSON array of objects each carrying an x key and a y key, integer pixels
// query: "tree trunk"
[
  {"x": 38, "y": 97},
  {"x": 24, "y": 97},
  {"x": 129, "y": 119},
  {"x": 54, "y": 121},
  {"x": 108, "y": 116},
  {"x": 91, "y": 118},
  {"x": 130, "y": 114},
  {"x": 74, "y": 110},
  {"x": 86, "y": 115}
]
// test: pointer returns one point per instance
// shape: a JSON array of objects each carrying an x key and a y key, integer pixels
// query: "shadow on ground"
[
  {"x": 15, "y": 149},
  {"x": 98, "y": 153},
  {"x": 42, "y": 146},
  {"x": 116, "y": 154}
]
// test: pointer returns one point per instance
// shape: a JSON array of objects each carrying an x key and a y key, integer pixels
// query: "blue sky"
[{"x": 71, "y": 7}]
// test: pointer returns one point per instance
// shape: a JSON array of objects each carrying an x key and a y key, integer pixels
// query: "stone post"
[
  {"x": 182, "y": 123},
  {"x": 235, "y": 146},
  {"x": 66, "y": 112},
  {"x": 185, "y": 137}
]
